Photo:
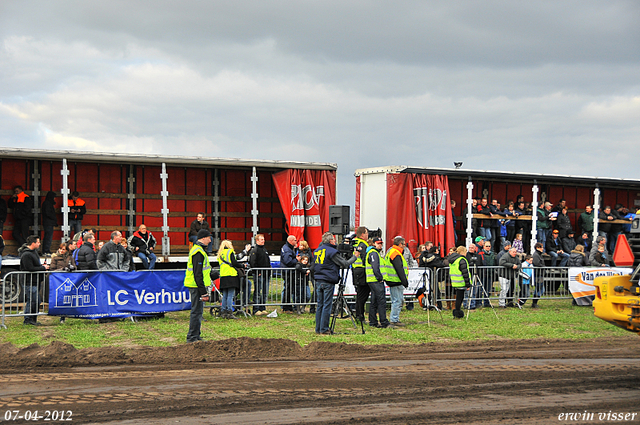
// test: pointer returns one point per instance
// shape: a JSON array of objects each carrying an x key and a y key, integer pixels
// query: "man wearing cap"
[
  {"x": 375, "y": 279},
  {"x": 197, "y": 279},
  {"x": 554, "y": 249},
  {"x": 360, "y": 281}
]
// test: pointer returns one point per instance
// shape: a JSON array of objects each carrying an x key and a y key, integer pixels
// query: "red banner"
[
  {"x": 305, "y": 196},
  {"x": 419, "y": 209}
]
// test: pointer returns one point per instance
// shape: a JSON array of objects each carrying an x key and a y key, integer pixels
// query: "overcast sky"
[{"x": 539, "y": 86}]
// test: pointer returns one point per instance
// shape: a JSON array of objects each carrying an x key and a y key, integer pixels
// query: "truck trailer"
[
  {"x": 415, "y": 202},
  {"x": 240, "y": 198}
]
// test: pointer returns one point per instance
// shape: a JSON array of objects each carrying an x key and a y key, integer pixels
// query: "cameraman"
[
  {"x": 431, "y": 258},
  {"x": 326, "y": 271},
  {"x": 359, "y": 275}
]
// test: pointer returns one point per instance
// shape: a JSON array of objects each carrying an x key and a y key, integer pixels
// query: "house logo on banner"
[
  {"x": 76, "y": 294},
  {"x": 304, "y": 199},
  {"x": 430, "y": 206}
]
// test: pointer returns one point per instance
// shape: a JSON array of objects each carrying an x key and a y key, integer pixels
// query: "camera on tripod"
[{"x": 347, "y": 246}]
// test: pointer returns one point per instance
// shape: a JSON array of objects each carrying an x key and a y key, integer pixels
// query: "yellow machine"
[
  {"x": 618, "y": 302},
  {"x": 617, "y": 298}
]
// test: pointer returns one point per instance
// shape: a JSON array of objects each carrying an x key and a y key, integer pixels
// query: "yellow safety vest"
[
  {"x": 457, "y": 280},
  {"x": 371, "y": 277},
  {"x": 391, "y": 275},
  {"x": 360, "y": 261},
  {"x": 226, "y": 269},
  {"x": 189, "y": 278}
]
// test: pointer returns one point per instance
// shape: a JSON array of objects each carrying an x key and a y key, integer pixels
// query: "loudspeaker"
[{"x": 339, "y": 219}]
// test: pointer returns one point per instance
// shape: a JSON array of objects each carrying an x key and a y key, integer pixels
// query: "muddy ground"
[{"x": 253, "y": 381}]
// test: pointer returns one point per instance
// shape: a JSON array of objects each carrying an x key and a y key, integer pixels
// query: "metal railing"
[
  {"x": 24, "y": 295},
  {"x": 507, "y": 286}
]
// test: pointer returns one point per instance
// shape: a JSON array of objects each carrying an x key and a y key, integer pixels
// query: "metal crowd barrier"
[
  {"x": 25, "y": 294},
  {"x": 506, "y": 286},
  {"x": 267, "y": 287}
]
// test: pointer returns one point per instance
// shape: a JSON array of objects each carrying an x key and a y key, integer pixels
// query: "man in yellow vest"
[
  {"x": 460, "y": 280},
  {"x": 375, "y": 270},
  {"x": 397, "y": 278},
  {"x": 359, "y": 276},
  {"x": 197, "y": 279}
]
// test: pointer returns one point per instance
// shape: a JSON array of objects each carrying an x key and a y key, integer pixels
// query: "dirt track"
[{"x": 277, "y": 382}]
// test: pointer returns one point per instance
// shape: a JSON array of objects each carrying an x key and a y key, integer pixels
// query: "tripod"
[
  {"x": 477, "y": 283},
  {"x": 341, "y": 308}
]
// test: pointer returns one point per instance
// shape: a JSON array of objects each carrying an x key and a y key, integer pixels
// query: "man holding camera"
[
  {"x": 359, "y": 274},
  {"x": 326, "y": 271},
  {"x": 197, "y": 279}
]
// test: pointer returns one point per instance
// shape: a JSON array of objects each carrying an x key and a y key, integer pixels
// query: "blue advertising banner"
[{"x": 117, "y": 294}]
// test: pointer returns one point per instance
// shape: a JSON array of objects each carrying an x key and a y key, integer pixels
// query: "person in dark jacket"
[
  {"x": 326, "y": 271},
  {"x": 538, "y": 263},
  {"x": 585, "y": 241},
  {"x": 600, "y": 241},
  {"x": 511, "y": 266},
  {"x": 86, "y": 255},
  {"x": 77, "y": 210},
  {"x": 554, "y": 249},
  {"x": 112, "y": 256},
  {"x": 475, "y": 261},
  {"x": 375, "y": 279},
  {"x": 129, "y": 255},
  {"x": 563, "y": 223},
  {"x": 197, "y": 279},
  {"x": 303, "y": 274},
  {"x": 260, "y": 262},
  {"x": 200, "y": 224},
  {"x": 49, "y": 221},
  {"x": 431, "y": 258},
  {"x": 30, "y": 262},
  {"x": 585, "y": 221},
  {"x": 288, "y": 260},
  {"x": 142, "y": 245},
  {"x": 22, "y": 207},
  {"x": 577, "y": 257}
]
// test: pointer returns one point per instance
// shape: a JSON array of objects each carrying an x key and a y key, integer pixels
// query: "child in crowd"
[
  {"x": 303, "y": 272},
  {"x": 601, "y": 257},
  {"x": 526, "y": 282},
  {"x": 519, "y": 245}
]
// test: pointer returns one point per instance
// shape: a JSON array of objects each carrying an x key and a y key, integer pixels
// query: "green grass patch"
[{"x": 555, "y": 319}]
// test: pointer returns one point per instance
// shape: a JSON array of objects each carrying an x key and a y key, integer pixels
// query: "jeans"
[
  {"x": 378, "y": 304},
  {"x": 148, "y": 261},
  {"x": 227, "y": 299},
  {"x": 31, "y": 303},
  {"x": 485, "y": 232},
  {"x": 554, "y": 258},
  {"x": 75, "y": 226},
  {"x": 289, "y": 279},
  {"x": 542, "y": 236},
  {"x": 46, "y": 241},
  {"x": 612, "y": 239},
  {"x": 260, "y": 290},
  {"x": 397, "y": 294},
  {"x": 195, "y": 318},
  {"x": 524, "y": 293},
  {"x": 324, "y": 295},
  {"x": 194, "y": 239}
]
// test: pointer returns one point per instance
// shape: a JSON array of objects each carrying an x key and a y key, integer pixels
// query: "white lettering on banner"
[
  {"x": 297, "y": 221},
  {"x": 162, "y": 297},
  {"x": 121, "y": 292},
  {"x": 436, "y": 200},
  {"x": 305, "y": 198},
  {"x": 312, "y": 221}
]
